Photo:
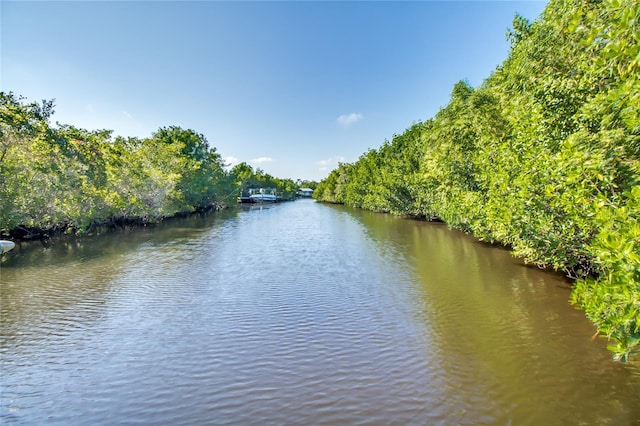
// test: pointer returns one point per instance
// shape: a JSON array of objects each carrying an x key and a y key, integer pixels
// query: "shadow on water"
[{"x": 107, "y": 242}]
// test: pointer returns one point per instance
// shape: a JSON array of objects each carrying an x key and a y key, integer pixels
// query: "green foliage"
[
  {"x": 245, "y": 178},
  {"x": 521, "y": 30},
  {"x": 333, "y": 188},
  {"x": 612, "y": 301},
  {"x": 543, "y": 157},
  {"x": 72, "y": 178},
  {"x": 26, "y": 156},
  {"x": 202, "y": 167}
]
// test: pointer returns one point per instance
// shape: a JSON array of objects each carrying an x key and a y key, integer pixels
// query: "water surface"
[{"x": 298, "y": 313}]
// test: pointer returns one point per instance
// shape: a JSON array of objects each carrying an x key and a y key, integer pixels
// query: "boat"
[
  {"x": 263, "y": 195},
  {"x": 6, "y": 245},
  {"x": 304, "y": 193}
]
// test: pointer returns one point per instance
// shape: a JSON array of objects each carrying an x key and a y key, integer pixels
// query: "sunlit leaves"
[{"x": 72, "y": 177}]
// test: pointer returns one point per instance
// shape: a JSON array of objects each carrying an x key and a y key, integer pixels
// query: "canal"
[{"x": 298, "y": 313}]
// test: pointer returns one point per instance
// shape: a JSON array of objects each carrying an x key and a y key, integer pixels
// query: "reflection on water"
[{"x": 298, "y": 313}]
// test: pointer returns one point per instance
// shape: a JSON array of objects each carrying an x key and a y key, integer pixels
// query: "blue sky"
[{"x": 290, "y": 87}]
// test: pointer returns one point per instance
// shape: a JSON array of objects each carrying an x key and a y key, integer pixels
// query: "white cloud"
[
  {"x": 230, "y": 161},
  {"x": 261, "y": 160},
  {"x": 347, "y": 119},
  {"x": 126, "y": 114},
  {"x": 330, "y": 163}
]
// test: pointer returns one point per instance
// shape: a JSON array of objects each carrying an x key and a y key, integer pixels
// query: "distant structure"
[
  {"x": 304, "y": 192},
  {"x": 259, "y": 195}
]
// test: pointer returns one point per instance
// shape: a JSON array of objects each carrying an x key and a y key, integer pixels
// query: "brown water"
[{"x": 298, "y": 313}]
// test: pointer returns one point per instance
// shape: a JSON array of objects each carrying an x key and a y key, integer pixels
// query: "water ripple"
[{"x": 298, "y": 314}]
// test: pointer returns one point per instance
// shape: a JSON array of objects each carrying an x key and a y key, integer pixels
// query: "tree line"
[
  {"x": 57, "y": 179},
  {"x": 542, "y": 157}
]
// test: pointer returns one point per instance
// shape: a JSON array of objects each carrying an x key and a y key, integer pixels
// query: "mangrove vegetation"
[
  {"x": 63, "y": 179},
  {"x": 542, "y": 157}
]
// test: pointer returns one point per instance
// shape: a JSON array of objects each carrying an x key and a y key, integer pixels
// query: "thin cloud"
[
  {"x": 261, "y": 160},
  {"x": 347, "y": 119},
  {"x": 330, "y": 163},
  {"x": 230, "y": 161}
]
